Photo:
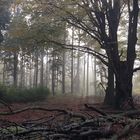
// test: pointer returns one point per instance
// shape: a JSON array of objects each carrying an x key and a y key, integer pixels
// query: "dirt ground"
[
  {"x": 72, "y": 103},
  {"x": 66, "y": 102}
]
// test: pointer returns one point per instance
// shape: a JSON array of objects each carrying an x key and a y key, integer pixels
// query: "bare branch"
[{"x": 84, "y": 49}]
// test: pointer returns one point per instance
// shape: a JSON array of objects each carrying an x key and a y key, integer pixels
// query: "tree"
[
  {"x": 28, "y": 37},
  {"x": 64, "y": 65},
  {"x": 87, "y": 80},
  {"x": 72, "y": 55},
  {"x": 101, "y": 20},
  {"x": 4, "y": 16}
]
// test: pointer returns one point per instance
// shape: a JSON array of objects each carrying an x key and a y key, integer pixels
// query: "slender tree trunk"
[
  {"x": 84, "y": 75},
  {"x": 4, "y": 71},
  {"x": 21, "y": 72},
  {"x": 42, "y": 68},
  {"x": 63, "y": 64},
  {"x": 87, "y": 75},
  {"x": 30, "y": 78},
  {"x": 47, "y": 70},
  {"x": 25, "y": 77},
  {"x": 72, "y": 62},
  {"x": 15, "y": 75},
  {"x": 57, "y": 78},
  {"x": 78, "y": 66},
  {"x": 30, "y": 73},
  {"x": 53, "y": 75},
  {"x": 78, "y": 73},
  {"x": 63, "y": 73},
  {"x": 94, "y": 74},
  {"x": 36, "y": 70},
  {"x": 1, "y": 36}
]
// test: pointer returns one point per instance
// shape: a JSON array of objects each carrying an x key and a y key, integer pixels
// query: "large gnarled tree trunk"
[
  {"x": 123, "y": 70},
  {"x": 124, "y": 75}
]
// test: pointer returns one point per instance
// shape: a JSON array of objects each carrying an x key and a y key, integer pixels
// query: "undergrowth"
[{"x": 16, "y": 94}]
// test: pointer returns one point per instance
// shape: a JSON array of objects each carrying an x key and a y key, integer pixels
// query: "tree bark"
[
  {"x": 124, "y": 75},
  {"x": 36, "y": 69},
  {"x": 94, "y": 78},
  {"x": 30, "y": 72},
  {"x": 84, "y": 75},
  {"x": 72, "y": 73},
  {"x": 64, "y": 62},
  {"x": 22, "y": 71},
  {"x": 123, "y": 98},
  {"x": 53, "y": 75},
  {"x": 87, "y": 82},
  {"x": 63, "y": 73},
  {"x": 4, "y": 72},
  {"x": 78, "y": 66},
  {"x": 109, "y": 96},
  {"x": 47, "y": 74}
]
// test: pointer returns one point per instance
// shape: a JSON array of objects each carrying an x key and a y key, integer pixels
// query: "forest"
[{"x": 69, "y": 70}]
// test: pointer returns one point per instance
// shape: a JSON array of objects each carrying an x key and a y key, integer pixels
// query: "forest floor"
[
  {"x": 73, "y": 103},
  {"x": 59, "y": 104}
]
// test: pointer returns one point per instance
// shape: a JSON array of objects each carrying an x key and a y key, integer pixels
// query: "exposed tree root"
[{"x": 68, "y": 125}]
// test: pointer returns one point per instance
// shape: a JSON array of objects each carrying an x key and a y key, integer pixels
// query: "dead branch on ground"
[{"x": 70, "y": 125}]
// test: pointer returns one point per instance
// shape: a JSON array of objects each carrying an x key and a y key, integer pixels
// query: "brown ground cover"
[
  {"x": 75, "y": 109},
  {"x": 66, "y": 102}
]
